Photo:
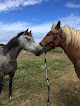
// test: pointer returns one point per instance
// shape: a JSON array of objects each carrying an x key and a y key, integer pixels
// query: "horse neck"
[
  {"x": 14, "y": 52},
  {"x": 72, "y": 53},
  {"x": 11, "y": 51}
]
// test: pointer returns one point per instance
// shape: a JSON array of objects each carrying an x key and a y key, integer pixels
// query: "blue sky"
[{"x": 37, "y": 15}]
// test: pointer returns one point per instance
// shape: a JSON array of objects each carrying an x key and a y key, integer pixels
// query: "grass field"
[{"x": 30, "y": 87}]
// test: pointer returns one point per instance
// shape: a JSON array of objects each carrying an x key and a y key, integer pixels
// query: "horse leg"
[
  {"x": 10, "y": 85},
  {"x": 1, "y": 84}
]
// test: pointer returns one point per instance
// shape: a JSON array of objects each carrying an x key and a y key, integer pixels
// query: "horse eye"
[
  {"x": 48, "y": 35},
  {"x": 27, "y": 38}
]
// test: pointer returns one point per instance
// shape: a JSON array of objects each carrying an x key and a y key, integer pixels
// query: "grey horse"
[{"x": 10, "y": 52}]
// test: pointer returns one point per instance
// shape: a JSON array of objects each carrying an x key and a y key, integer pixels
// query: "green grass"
[{"x": 30, "y": 88}]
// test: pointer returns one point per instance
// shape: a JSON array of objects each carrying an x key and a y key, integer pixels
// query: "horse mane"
[
  {"x": 71, "y": 36},
  {"x": 11, "y": 44}
]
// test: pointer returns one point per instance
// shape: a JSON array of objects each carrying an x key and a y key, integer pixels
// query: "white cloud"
[
  {"x": 10, "y": 30},
  {"x": 7, "y": 5},
  {"x": 31, "y": 2},
  {"x": 42, "y": 28},
  {"x": 18, "y": 26},
  {"x": 71, "y": 5},
  {"x": 72, "y": 20},
  {"x": 7, "y": 31}
]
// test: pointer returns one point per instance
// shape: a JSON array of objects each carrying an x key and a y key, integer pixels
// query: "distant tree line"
[{"x": 1, "y": 45}]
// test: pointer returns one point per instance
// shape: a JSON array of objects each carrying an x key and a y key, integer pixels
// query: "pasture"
[{"x": 30, "y": 87}]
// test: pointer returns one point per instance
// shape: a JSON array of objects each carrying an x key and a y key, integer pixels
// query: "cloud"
[
  {"x": 71, "y": 5},
  {"x": 8, "y": 31},
  {"x": 31, "y": 2},
  {"x": 42, "y": 28},
  {"x": 7, "y": 5},
  {"x": 5, "y": 36},
  {"x": 72, "y": 20},
  {"x": 18, "y": 26}
]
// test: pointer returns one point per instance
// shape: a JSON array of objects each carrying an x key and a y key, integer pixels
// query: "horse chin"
[{"x": 39, "y": 51}]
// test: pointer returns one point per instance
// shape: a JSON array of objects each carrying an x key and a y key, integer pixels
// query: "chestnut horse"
[{"x": 68, "y": 39}]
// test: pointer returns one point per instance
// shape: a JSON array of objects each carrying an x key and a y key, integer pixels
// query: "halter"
[
  {"x": 47, "y": 79},
  {"x": 49, "y": 42}
]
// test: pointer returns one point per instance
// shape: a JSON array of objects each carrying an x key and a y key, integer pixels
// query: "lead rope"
[{"x": 47, "y": 79}]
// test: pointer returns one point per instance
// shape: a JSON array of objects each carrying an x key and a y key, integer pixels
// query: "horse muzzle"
[{"x": 39, "y": 50}]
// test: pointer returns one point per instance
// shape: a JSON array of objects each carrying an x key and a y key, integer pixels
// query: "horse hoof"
[{"x": 11, "y": 98}]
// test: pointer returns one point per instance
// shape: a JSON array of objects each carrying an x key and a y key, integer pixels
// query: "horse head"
[
  {"x": 27, "y": 42},
  {"x": 52, "y": 39}
]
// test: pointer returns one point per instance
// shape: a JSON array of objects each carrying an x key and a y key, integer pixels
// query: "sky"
[{"x": 37, "y": 15}]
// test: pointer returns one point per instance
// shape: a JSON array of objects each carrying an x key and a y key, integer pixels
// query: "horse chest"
[{"x": 8, "y": 67}]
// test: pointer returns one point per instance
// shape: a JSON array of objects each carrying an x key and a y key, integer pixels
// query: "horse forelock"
[{"x": 71, "y": 36}]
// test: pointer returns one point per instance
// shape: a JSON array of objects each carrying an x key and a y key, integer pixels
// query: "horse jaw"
[
  {"x": 39, "y": 50},
  {"x": 32, "y": 48}
]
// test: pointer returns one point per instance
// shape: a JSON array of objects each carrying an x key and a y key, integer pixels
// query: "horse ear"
[
  {"x": 26, "y": 32},
  {"x": 30, "y": 34},
  {"x": 58, "y": 25}
]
